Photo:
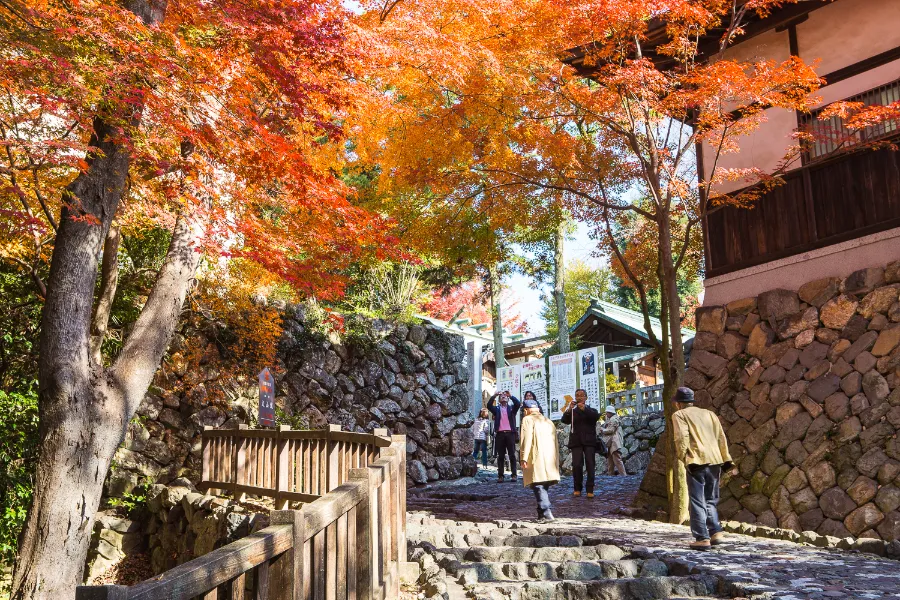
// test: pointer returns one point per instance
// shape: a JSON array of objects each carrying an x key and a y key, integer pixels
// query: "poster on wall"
[
  {"x": 534, "y": 379},
  {"x": 592, "y": 376},
  {"x": 509, "y": 380},
  {"x": 563, "y": 382}
]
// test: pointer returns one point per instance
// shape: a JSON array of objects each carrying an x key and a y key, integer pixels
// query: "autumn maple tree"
[
  {"x": 209, "y": 120},
  {"x": 515, "y": 107}
]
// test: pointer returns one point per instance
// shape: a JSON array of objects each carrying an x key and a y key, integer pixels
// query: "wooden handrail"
[
  {"x": 288, "y": 465},
  {"x": 346, "y": 544}
]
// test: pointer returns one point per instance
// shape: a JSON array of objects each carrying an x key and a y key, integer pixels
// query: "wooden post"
[
  {"x": 400, "y": 441},
  {"x": 332, "y": 459},
  {"x": 282, "y": 471},
  {"x": 294, "y": 568},
  {"x": 363, "y": 538},
  {"x": 240, "y": 463},
  {"x": 207, "y": 454},
  {"x": 101, "y": 592}
]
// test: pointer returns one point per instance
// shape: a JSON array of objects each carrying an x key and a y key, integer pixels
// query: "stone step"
[
  {"x": 520, "y": 554},
  {"x": 471, "y": 573},
  {"x": 638, "y": 588}
]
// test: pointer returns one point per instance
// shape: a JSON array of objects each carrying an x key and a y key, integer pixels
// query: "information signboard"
[
  {"x": 563, "y": 382},
  {"x": 509, "y": 379},
  {"x": 592, "y": 376},
  {"x": 534, "y": 379},
  {"x": 266, "y": 398}
]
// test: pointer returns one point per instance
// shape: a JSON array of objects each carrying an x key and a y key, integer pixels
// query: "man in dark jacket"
[
  {"x": 582, "y": 440},
  {"x": 505, "y": 430}
]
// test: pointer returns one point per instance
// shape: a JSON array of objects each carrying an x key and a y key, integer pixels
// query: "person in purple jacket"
[{"x": 505, "y": 430}]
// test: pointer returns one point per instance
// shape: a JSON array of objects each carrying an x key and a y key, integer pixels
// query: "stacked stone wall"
[
  {"x": 176, "y": 525},
  {"x": 807, "y": 386},
  {"x": 410, "y": 380},
  {"x": 641, "y": 434}
]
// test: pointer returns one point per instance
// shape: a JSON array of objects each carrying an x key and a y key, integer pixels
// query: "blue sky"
[{"x": 579, "y": 246}]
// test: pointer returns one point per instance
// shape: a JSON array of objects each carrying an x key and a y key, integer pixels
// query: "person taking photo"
[
  {"x": 582, "y": 440},
  {"x": 539, "y": 452},
  {"x": 505, "y": 430}
]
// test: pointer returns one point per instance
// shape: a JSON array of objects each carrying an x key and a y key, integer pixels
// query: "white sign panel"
[
  {"x": 534, "y": 379},
  {"x": 592, "y": 376},
  {"x": 509, "y": 380},
  {"x": 563, "y": 382}
]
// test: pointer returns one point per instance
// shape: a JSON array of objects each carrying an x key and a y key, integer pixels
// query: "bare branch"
[{"x": 109, "y": 279}]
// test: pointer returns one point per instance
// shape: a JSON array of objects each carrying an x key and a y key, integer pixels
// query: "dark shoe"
[
  {"x": 700, "y": 545},
  {"x": 718, "y": 538},
  {"x": 500, "y": 480}
]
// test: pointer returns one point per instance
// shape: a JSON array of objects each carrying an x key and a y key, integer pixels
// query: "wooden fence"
[
  {"x": 288, "y": 465},
  {"x": 637, "y": 400},
  {"x": 345, "y": 545}
]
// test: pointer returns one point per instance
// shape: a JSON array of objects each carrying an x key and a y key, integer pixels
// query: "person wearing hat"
[
  {"x": 582, "y": 440},
  {"x": 614, "y": 440},
  {"x": 701, "y": 445},
  {"x": 539, "y": 456}
]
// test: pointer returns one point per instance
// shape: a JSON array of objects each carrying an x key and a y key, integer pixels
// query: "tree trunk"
[
  {"x": 559, "y": 287},
  {"x": 83, "y": 409},
  {"x": 496, "y": 317},
  {"x": 674, "y": 371}
]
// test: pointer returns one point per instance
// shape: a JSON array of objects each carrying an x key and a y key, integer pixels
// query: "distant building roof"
[{"x": 623, "y": 319}]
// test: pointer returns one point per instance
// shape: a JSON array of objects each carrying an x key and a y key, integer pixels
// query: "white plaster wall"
[{"x": 837, "y": 35}]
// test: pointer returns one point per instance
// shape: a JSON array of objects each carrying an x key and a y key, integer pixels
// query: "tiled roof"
[{"x": 630, "y": 320}]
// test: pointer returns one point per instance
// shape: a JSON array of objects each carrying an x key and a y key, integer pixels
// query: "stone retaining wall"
[
  {"x": 807, "y": 386},
  {"x": 409, "y": 379},
  {"x": 641, "y": 433},
  {"x": 177, "y": 525}
]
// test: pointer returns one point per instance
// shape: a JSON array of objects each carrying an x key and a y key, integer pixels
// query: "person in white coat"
[
  {"x": 539, "y": 456},
  {"x": 480, "y": 430},
  {"x": 615, "y": 441}
]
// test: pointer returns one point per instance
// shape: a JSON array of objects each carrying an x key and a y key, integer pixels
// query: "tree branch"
[
  {"x": 109, "y": 279},
  {"x": 144, "y": 348}
]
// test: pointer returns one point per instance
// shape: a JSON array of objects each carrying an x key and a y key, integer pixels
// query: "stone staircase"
[{"x": 506, "y": 560}]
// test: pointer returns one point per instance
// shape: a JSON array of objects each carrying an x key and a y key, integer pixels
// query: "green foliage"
[
  {"x": 18, "y": 455},
  {"x": 133, "y": 503},
  {"x": 627, "y": 297},
  {"x": 389, "y": 291},
  {"x": 296, "y": 422},
  {"x": 614, "y": 385},
  {"x": 583, "y": 282}
]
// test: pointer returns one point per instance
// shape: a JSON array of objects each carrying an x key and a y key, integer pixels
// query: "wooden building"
[
  {"x": 838, "y": 209},
  {"x": 629, "y": 354}
]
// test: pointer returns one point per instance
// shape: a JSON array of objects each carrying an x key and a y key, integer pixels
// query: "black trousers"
[
  {"x": 505, "y": 442},
  {"x": 584, "y": 456}
]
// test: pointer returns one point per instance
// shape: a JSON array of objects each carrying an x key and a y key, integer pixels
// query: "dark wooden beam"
[{"x": 862, "y": 66}]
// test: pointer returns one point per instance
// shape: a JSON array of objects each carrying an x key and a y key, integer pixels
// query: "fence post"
[
  {"x": 207, "y": 453},
  {"x": 295, "y": 557},
  {"x": 400, "y": 440},
  {"x": 240, "y": 463},
  {"x": 364, "y": 536},
  {"x": 332, "y": 451},
  {"x": 282, "y": 469},
  {"x": 101, "y": 592}
]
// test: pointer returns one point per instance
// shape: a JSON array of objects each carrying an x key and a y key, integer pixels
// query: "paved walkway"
[{"x": 766, "y": 568}]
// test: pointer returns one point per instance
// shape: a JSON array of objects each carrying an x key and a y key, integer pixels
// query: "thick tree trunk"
[
  {"x": 559, "y": 287},
  {"x": 674, "y": 372},
  {"x": 83, "y": 409},
  {"x": 496, "y": 317}
]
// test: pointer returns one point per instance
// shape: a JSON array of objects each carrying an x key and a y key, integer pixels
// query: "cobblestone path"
[{"x": 746, "y": 567}]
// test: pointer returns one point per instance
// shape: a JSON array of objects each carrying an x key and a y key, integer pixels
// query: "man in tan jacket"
[{"x": 700, "y": 443}]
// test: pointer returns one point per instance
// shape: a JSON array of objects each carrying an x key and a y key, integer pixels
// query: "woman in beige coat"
[{"x": 539, "y": 455}]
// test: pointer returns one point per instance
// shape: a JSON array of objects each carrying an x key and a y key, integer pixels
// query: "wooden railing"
[
  {"x": 288, "y": 465},
  {"x": 637, "y": 400},
  {"x": 346, "y": 545}
]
